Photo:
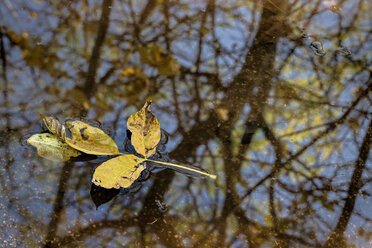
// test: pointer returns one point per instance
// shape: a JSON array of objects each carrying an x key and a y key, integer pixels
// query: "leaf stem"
[{"x": 185, "y": 168}]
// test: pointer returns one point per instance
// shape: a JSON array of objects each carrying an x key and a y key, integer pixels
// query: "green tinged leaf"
[
  {"x": 118, "y": 172},
  {"x": 50, "y": 147},
  {"x": 90, "y": 140},
  {"x": 145, "y": 130}
]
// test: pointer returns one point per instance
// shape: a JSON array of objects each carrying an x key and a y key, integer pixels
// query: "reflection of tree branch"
[
  {"x": 96, "y": 51},
  {"x": 6, "y": 105},
  {"x": 278, "y": 159},
  {"x": 151, "y": 212},
  {"x": 166, "y": 7},
  {"x": 320, "y": 102},
  {"x": 107, "y": 75},
  {"x": 8, "y": 184},
  {"x": 166, "y": 233},
  {"x": 58, "y": 204},
  {"x": 253, "y": 74},
  {"x": 89, "y": 89},
  {"x": 93, "y": 228},
  {"x": 336, "y": 239},
  {"x": 3, "y": 62},
  {"x": 148, "y": 214},
  {"x": 332, "y": 126},
  {"x": 279, "y": 164},
  {"x": 263, "y": 231},
  {"x": 199, "y": 56},
  {"x": 272, "y": 210},
  {"x": 145, "y": 13},
  {"x": 250, "y": 87}
]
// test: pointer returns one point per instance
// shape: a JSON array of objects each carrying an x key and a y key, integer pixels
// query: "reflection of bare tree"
[
  {"x": 58, "y": 204},
  {"x": 337, "y": 237},
  {"x": 5, "y": 90},
  {"x": 267, "y": 115},
  {"x": 95, "y": 57},
  {"x": 89, "y": 88}
]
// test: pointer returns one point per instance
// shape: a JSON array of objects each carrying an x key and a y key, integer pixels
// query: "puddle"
[{"x": 271, "y": 97}]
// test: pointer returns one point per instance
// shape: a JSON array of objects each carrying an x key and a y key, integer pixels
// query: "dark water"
[{"x": 273, "y": 97}]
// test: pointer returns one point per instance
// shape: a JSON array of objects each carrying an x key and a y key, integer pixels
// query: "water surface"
[{"x": 272, "y": 96}]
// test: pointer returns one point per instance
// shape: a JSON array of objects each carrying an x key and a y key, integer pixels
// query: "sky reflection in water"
[{"x": 274, "y": 97}]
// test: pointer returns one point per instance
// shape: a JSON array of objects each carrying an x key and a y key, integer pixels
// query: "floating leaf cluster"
[{"x": 118, "y": 172}]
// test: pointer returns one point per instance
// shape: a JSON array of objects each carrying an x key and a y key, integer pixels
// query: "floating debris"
[
  {"x": 305, "y": 35},
  {"x": 344, "y": 50},
  {"x": 161, "y": 206},
  {"x": 317, "y": 48}
]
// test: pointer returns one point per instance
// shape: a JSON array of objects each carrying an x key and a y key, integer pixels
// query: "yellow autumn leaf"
[
  {"x": 54, "y": 126},
  {"x": 118, "y": 172},
  {"x": 50, "y": 147},
  {"x": 90, "y": 140},
  {"x": 145, "y": 129}
]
